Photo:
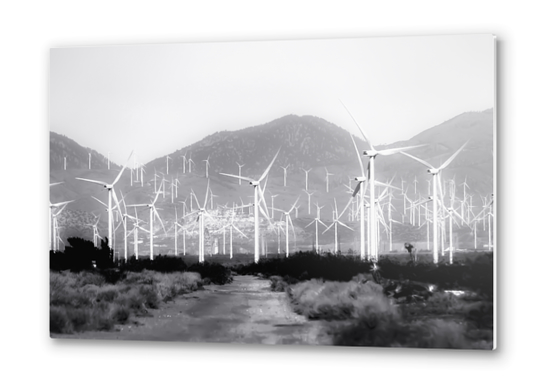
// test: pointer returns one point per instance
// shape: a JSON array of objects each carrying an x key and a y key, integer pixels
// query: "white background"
[{"x": 28, "y": 29}]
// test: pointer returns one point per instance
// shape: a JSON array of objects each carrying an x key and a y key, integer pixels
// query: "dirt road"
[{"x": 245, "y": 311}]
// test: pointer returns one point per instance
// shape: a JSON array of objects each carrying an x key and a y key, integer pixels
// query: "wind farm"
[{"x": 306, "y": 208}]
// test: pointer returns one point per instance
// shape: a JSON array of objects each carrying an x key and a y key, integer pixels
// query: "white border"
[{"x": 29, "y": 29}]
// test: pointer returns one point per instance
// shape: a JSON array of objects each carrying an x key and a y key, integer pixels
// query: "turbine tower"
[
  {"x": 435, "y": 172},
  {"x": 257, "y": 193},
  {"x": 306, "y": 178},
  {"x": 371, "y": 154},
  {"x": 152, "y": 213},
  {"x": 111, "y": 196},
  {"x": 285, "y": 173}
]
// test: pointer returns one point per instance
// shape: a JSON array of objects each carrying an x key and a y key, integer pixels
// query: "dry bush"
[{"x": 334, "y": 300}]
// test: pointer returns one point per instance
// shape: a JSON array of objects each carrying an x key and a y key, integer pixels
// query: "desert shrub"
[
  {"x": 120, "y": 314},
  {"x": 212, "y": 272},
  {"x": 144, "y": 277},
  {"x": 281, "y": 284},
  {"x": 90, "y": 277},
  {"x": 59, "y": 321},
  {"x": 112, "y": 275},
  {"x": 107, "y": 293},
  {"x": 85, "y": 301},
  {"x": 165, "y": 264},
  {"x": 338, "y": 300}
]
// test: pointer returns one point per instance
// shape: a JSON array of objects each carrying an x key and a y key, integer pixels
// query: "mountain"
[
  {"x": 305, "y": 142},
  {"x": 61, "y": 147}
]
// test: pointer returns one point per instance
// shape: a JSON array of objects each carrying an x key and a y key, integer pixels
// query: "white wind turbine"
[
  {"x": 285, "y": 173},
  {"x": 89, "y": 155},
  {"x": 336, "y": 222},
  {"x": 111, "y": 196},
  {"x": 309, "y": 202},
  {"x": 327, "y": 180},
  {"x": 257, "y": 193},
  {"x": 206, "y": 161},
  {"x": 190, "y": 162},
  {"x": 184, "y": 163},
  {"x": 240, "y": 166},
  {"x": 142, "y": 168},
  {"x": 371, "y": 154},
  {"x": 360, "y": 187},
  {"x": 152, "y": 213},
  {"x": 201, "y": 212},
  {"x": 288, "y": 221},
  {"x": 273, "y": 205},
  {"x": 135, "y": 231},
  {"x": 316, "y": 221},
  {"x": 231, "y": 227},
  {"x": 95, "y": 233},
  {"x": 53, "y": 217},
  {"x": 435, "y": 172},
  {"x": 306, "y": 178}
]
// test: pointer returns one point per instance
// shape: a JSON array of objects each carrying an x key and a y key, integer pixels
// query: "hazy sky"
[{"x": 156, "y": 99}]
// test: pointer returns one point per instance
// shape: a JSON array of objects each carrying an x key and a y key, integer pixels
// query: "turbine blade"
[
  {"x": 392, "y": 151},
  {"x": 237, "y": 177},
  {"x": 359, "y": 157},
  {"x": 269, "y": 167},
  {"x": 447, "y": 162},
  {"x": 93, "y": 181},
  {"x": 359, "y": 126},
  {"x": 344, "y": 225},
  {"x": 123, "y": 168},
  {"x": 418, "y": 160}
]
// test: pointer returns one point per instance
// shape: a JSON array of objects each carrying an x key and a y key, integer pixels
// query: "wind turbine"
[
  {"x": 240, "y": 166},
  {"x": 336, "y": 222},
  {"x": 316, "y": 221},
  {"x": 206, "y": 161},
  {"x": 201, "y": 212},
  {"x": 111, "y": 195},
  {"x": 167, "y": 164},
  {"x": 309, "y": 202},
  {"x": 288, "y": 220},
  {"x": 190, "y": 162},
  {"x": 360, "y": 186},
  {"x": 273, "y": 206},
  {"x": 89, "y": 160},
  {"x": 257, "y": 207},
  {"x": 95, "y": 233},
  {"x": 53, "y": 218},
  {"x": 232, "y": 226},
  {"x": 371, "y": 154},
  {"x": 435, "y": 173},
  {"x": 327, "y": 180},
  {"x": 152, "y": 213},
  {"x": 285, "y": 173},
  {"x": 306, "y": 178},
  {"x": 184, "y": 163}
]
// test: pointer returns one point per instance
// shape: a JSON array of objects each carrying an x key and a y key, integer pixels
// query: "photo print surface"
[{"x": 326, "y": 192}]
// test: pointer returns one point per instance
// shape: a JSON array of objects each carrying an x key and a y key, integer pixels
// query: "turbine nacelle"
[
  {"x": 254, "y": 183},
  {"x": 433, "y": 171},
  {"x": 370, "y": 153},
  {"x": 360, "y": 179}
]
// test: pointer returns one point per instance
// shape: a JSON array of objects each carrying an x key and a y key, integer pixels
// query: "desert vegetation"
[
  {"x": 395, "y": 304},
  {"x": 90, "y": 292}
]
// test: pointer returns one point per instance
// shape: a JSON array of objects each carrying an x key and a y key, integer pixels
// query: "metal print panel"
[{"x": 334, "y": 192}]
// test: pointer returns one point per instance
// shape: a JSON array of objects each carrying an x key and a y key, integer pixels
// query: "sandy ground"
[{"x": 245, "y": 311}]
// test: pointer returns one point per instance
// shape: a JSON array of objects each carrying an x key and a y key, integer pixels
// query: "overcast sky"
[{"x": 156, "y": 99}]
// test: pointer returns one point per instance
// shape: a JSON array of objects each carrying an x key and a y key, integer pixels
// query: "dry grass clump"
[
  {"x": 338, "y": 301},
  {"x": 84, "y": 301}
]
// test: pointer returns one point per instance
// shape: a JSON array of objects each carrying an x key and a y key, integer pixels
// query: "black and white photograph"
[{"x": 320, "y": 192}]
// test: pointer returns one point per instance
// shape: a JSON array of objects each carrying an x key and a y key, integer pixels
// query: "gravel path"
[{"x": 245, "y": 311}]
